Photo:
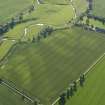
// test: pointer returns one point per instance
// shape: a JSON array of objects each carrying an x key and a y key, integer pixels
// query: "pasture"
[
  {"x": 98, "y": 8},
  {"x": 93, "y": 91},
  {"x": 40, "y": 16},
  {"x": 46, "y": 68},
  {"x": 8, "y": 9},
  {"x": 59, "y": 57}
]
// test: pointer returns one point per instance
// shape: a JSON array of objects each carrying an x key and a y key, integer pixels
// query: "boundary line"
[{"x": 17, "y": 91}]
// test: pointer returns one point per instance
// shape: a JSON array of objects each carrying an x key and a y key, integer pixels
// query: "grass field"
[
  {"x": 80, "y": 6},
  {"x": 8, "y": 97},
  {"x": 98, "y": 8},
  {"x": 61, "y": 55},
  {"x": 93, "y": 22},
  {"x": 43, "y": 15},
  {"x": 46, "y": 69},
  {"x": 93, "y": 91},
  {"x": 8, "y": 9},
  {"x": 57, "y": 1}
]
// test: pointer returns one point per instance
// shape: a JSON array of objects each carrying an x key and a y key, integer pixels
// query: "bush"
[{"x": 46, "y": 31}]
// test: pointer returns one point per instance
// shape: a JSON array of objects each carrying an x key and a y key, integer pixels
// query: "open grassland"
[
  {"x": 98, "y": 8},
  {"x": 93, "y": 91},
  {"x": 53, "y": 63},
  {"x": 8, "y": 97},
  {"x": 57, "y": 1},
  {"x": 10, "y": 8},
  {"x": 95, "y": 23},
  {"x": 80, "y": 6}
]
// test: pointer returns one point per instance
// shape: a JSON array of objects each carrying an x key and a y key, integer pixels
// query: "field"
[
  {"x": 95, "y": 23},
  {"x": 99, "y": 11},
  {"x": 8, "y": 97},
  {"x": 59, "y": 56},
  {"x": 57, "y": 1},
  {"x": 44, "y": 69},
  {"x": 93, "y": 91},
  {"x": 9, "y": 10},
  {"x": 32, "y": 21}
]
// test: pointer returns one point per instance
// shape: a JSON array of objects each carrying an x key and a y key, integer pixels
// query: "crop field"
[{"x": 42, "y": 69}]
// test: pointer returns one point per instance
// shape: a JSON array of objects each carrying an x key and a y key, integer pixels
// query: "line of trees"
[
  {"x": 14, "y": 21},
  {"x": 46, "y": 31},
  {"x": 71, "y": 90}
]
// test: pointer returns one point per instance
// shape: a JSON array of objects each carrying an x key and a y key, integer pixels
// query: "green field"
[
  {"x": 57, "y": 1},
  {"x": 93, "y": 91},
  {"x": 45, "y": 69},
  {"x": 8, "y": 9},
  {"x": 43, "y": 15},
  {"x": 57, "y": 56},
  {"x": 93, "y": 22},
  {"x": 8, "y": 97},
  {"x": 98, "y": 8}
]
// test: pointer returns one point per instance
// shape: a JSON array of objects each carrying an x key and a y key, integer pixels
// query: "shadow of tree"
[{"x": 28, "y": 20}]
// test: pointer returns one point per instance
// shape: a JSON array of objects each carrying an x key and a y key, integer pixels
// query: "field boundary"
[
  {"x": 16, "y": 90},
  {"x": 7, "y": 54},
  {"x": 85, "y": 73}
]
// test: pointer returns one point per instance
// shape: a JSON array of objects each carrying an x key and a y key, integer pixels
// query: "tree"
[
  {"x": 1, "y": 29},
  {"x": 103, "y": 21},
  {"x": 23, "y": 98},
  {"x": 12, "y": 23},
  {"x": 71, "y": 91},
  {"x": 74, "y": 86},
  {"x": 33, "y": 40},
  {"x": 35, "y": 103},
  {"x": 20, "y": 17},
  {"x": 62, "y": 99},
  {"x": 82, "y": 79},
  {"x": 81, "y": 18},
  {"x": 1, "y": 80},
  {"x": 46, "y": 31},
  {"x": 68, "y": 93},
  {"x": 92, "y": 26},
  {"x": 87, "y": 21},
  {"x": 31, "y": 9},
  {"x": 38, "y": 38}
]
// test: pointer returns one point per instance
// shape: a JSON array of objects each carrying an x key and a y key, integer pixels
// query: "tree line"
[
  {"x": 44, "y": 33},
  {"x": 71, "y": 90},
  {"x": 14, "y": 21}
]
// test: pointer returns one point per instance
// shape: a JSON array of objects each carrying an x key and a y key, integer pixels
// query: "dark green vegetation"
[{"x": 61, "y": 57}]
